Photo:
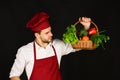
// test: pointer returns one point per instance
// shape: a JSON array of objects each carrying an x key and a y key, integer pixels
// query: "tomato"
[
  {"x": 85, "y": 38},
  {"x": 92, "y": 31}
]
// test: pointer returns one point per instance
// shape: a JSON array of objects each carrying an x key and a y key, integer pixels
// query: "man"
[{"x": 41, "y": 58}]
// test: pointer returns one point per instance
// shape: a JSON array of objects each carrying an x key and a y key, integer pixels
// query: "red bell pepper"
[{"x": 92, "y": 31}]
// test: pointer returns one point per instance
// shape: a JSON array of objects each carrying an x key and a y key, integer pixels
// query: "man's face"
[{"x": 46, "y": 35}]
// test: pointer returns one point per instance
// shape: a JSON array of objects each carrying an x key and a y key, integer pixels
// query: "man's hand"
[
  {"x": 85, "y": 21},
  {"x": 15, "y": 78}
]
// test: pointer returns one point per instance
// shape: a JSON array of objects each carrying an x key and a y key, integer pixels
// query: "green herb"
[
  {"x": 99, "y": 39},
  {"x": 83, "y": 32},
  {"x": 70, "y": 35}
]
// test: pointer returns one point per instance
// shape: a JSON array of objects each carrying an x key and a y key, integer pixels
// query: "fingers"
[{"x": 84, "y": 19}]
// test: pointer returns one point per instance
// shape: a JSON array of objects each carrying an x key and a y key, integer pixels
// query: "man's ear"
[{"x": 36, "y": 35}]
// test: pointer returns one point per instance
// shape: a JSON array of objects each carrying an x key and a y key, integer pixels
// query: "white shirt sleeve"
[
  {"x": 18, "y": 65},
  {"x": 63, "y": 47}
]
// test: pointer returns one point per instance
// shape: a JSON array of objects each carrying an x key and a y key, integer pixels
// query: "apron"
[{"x": 45, "y": 69}]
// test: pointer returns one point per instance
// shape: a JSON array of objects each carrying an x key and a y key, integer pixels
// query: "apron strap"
[{"x": 34, "y": 48}]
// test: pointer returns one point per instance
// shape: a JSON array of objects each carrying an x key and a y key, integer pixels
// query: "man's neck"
[{"x": 41, "y": 44}]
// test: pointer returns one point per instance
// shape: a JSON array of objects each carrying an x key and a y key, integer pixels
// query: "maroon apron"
[{"x": 45, "y": 69}]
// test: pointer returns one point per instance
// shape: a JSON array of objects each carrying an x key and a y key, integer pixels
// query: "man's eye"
[{"x": 47, "y": 33}]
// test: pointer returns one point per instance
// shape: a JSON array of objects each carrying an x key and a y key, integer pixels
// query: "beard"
[{"x": 47, "y": 40}]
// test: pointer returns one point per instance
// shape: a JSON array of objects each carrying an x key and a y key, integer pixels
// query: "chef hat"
[{"x": 38, "y": 22}]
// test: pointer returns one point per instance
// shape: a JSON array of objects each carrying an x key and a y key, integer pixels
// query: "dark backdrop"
[{"x": 98, "y": 64}]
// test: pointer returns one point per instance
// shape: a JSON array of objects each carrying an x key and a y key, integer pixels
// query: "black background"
[{"x": 98, "y": 64}]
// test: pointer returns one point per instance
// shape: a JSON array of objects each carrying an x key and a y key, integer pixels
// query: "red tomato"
[{"x": 85, "y": 38}]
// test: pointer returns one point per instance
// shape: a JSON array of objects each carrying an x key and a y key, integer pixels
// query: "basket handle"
[{"x": 91, "y": 22}]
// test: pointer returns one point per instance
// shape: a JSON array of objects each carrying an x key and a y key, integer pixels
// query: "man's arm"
[{"x": 15, "y": 78}]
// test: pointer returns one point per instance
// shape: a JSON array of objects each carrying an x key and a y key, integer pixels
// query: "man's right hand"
[{"x": 15, "y": 78}]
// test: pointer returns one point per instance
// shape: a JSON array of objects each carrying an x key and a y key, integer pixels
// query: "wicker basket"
[{"x": 85, "y": 44}]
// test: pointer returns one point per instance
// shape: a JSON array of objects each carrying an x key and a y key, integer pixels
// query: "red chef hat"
[{"x": 38, "y": 22}]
